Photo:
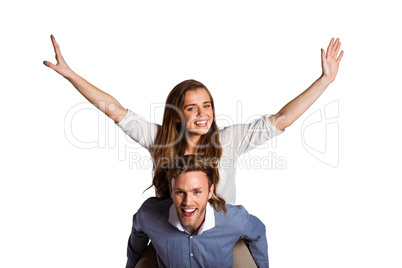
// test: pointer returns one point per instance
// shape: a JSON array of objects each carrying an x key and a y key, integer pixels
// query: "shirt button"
[
  {"x": 191, "y": 254},
  {"x": 191, "y": 236}
]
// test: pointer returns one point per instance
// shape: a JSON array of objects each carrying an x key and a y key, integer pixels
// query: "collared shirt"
[{"x": 211, "y": 246}]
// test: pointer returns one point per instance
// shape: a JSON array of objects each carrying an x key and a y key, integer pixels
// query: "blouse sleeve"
[
  {"x": 139, "y": 129},
  {"x": 239, "y": 139}
]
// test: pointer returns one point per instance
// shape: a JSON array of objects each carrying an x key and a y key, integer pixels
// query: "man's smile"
[{"x": 189, "y": 212}]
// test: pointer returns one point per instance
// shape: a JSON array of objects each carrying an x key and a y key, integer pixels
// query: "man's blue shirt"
[{"x": 211, "y": 246}]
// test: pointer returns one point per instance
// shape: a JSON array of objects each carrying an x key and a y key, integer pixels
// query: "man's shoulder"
[
  {"x": 152, "y": 217},
  {"x": 234, "y": 212},
  {"x": 233, "y": 221},
  {"x": 155, "y": 205},
  {"x": 156, "y": 201}
]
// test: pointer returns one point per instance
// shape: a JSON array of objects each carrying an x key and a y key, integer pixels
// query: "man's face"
[{"x": 190, "y": 194}]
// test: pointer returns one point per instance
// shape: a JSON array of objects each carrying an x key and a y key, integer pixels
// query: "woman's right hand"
[
  {"x": 103, "y": 101},
  {"x": 61, "y": 66}
]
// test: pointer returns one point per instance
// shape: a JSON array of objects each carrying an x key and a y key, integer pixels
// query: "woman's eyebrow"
[{"x": 193, "y": 104}]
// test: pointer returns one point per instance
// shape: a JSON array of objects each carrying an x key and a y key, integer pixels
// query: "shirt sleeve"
[
  {"x": 239, "y": 139},
  {"x": 137, "y": 243},
  {"x": 139, "y": 129},
  {"x": 256, "y": 240}
]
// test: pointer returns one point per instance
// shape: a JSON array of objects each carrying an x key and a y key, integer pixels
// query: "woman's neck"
[
  {"x": 191, "y": 150},
  {"x": 192, "y": 143}
]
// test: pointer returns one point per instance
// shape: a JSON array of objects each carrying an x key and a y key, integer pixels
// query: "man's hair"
[{"x": 189, "y": 163}]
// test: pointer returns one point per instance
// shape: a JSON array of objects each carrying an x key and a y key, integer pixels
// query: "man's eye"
[
  {"x": 191, "y": 109},
  {"x": 207, "y": 106}
]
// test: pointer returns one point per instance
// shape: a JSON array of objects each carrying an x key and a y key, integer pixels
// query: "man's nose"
[{"x": 187, "y": 200}]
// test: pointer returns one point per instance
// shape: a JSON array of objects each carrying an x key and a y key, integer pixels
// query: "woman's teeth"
[{"x": 201, "y": 122}]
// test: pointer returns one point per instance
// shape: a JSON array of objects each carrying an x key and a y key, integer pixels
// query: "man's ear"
[
  {"x": 211, "y": 191},
  {"x": 170, "y": 185}
]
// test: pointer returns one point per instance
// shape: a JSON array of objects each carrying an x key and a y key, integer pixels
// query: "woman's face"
[{"x": 198, "y": 112}]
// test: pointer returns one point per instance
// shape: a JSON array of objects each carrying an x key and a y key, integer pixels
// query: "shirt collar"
[{"x": 209, "y": 221}]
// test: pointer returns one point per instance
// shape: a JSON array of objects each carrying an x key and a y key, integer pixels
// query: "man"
[{"x": 194, "y": 228}]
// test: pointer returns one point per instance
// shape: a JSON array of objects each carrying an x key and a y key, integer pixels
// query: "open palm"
[
  {"x": 61, "y": 66},
  {"x": 330, "y": 60}
]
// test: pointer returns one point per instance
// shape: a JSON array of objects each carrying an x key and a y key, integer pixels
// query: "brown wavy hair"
[
  {"x": 189, "y": 163},
  {"x": 171, "y": 139}
]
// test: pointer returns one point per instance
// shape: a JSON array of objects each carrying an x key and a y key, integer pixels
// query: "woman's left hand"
[{"x": 330, "y": 61}]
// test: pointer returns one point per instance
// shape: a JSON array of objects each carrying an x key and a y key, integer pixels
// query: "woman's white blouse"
[{"x": 235, "y": 140}]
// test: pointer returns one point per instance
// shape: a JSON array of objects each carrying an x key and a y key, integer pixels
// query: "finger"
[
  {"x": 49, "y": 64},
  {"x": 340, "y": 57},
  {"x": 334, "y": 48},
  {"x": 55, "y": 46},
  {"x": 337, "y": 48},
  {"x": 330, "y": 46},
  {"x": 323, "y": 58}
]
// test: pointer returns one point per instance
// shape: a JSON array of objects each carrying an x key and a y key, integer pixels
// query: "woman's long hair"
[{"x": 171, "y": 140}]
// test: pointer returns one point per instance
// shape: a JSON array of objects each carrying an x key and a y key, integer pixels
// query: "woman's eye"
[
  {"x": 191, "y": 109},
  {"x": 207, "y": 106}
]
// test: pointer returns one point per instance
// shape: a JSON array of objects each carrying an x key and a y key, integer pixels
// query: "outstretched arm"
[
  {"x": 294, "y": 109},
  {"x": 103, "y": 101}
]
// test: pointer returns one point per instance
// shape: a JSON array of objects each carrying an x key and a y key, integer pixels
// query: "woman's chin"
[{"x": 198, "y": 132}]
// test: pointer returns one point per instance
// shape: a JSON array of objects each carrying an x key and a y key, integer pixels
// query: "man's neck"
[{"x": 194, "y": 230}]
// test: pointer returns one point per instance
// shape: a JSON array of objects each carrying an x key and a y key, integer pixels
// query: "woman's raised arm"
[
  {"x": 102, "y": 100},
  {"x": 295, "y": 108}
]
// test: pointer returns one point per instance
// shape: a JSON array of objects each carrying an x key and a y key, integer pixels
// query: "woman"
[{"x": 189, "y": 125}]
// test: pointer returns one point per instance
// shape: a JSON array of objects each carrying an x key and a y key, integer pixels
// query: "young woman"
[{"x": 189, "y": 125}]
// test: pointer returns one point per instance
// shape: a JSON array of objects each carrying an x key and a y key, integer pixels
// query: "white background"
[{"x": 66, "y": 206}]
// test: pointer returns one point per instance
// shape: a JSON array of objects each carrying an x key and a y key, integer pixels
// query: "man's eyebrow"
[
  {"x": 198, "y": 188},
  {"x": 193, "y": 104},
  {"x": 191, "y": 190}
]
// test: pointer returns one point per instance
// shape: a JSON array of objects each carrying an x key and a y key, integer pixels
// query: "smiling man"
[{"x": 194, "y": 228}]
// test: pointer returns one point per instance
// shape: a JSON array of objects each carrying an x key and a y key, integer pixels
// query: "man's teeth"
[
  {"x": 201, "y": 122},
  {"x": 189, "y": 210}
]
